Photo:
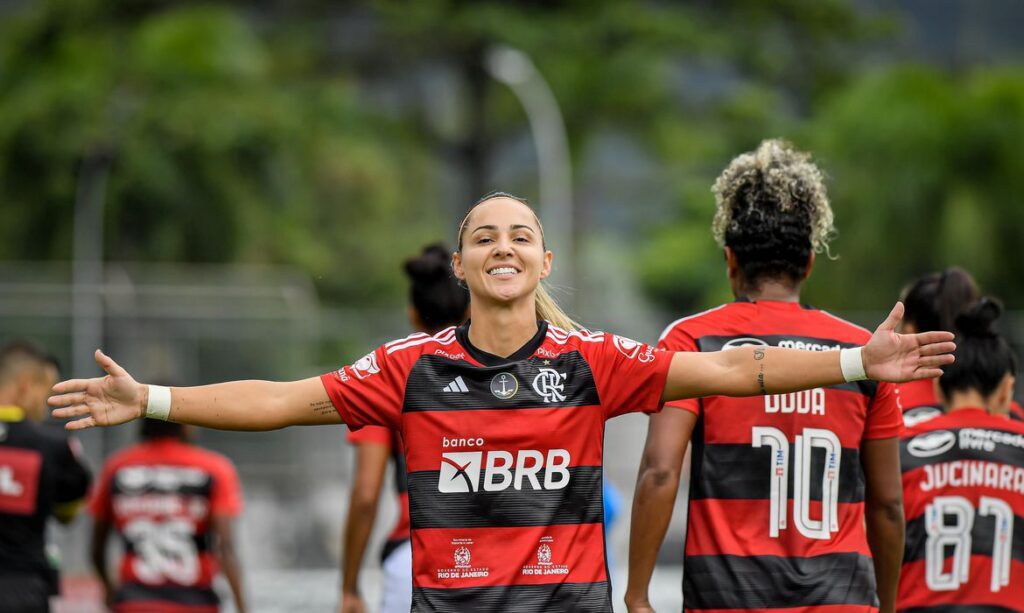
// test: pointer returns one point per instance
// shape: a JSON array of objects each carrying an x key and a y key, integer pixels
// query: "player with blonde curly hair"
[{"x": 781, "y": 484}]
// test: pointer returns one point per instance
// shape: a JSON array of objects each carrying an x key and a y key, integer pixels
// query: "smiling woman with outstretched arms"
[{"x": 502, "y": 417}]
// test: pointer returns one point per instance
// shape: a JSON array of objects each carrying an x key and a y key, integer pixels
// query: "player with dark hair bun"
[
  {"x": 933, "y": 302},
  {"x": 803, "y": 506},
  {"x": 436, "y": 301},
  {"x": 963, "y": 480}
]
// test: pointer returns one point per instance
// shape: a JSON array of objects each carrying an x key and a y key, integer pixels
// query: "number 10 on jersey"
[{"x": 811, "y": 438}]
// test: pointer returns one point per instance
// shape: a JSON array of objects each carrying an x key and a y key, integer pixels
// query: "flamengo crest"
[{"x": 550, "y": 384}]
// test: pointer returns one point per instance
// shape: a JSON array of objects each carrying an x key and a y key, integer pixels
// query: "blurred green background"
[{"x": 336, "y": 137}]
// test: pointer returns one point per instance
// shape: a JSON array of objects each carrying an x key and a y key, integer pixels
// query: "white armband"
[
  {"x": 852, "y": 364},
  {"x": 159, "y": 405}
]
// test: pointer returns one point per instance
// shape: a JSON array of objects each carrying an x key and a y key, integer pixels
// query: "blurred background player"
[
  {"x": 172, "y": 503},
  {"x": 933, "y": 302},
  {"x": 41, "y": 475},
  {"x": 436, "y": 301},
  {"x": 963, "y": 479},
  {"x": 833, "y": 452}
]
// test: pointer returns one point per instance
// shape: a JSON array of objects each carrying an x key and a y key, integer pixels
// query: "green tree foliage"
[
  {"x": 926, "y": 173},
  {"x": 323, "y": 135},
  {"x": 216, "y": 152},
  {"x": 923, "y": 174}
]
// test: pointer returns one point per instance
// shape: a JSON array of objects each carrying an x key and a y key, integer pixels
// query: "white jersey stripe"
[
  {"x": 447, "y": 337},
  {"x": 408, "y": 338},
  {"x": 688, "y": 317},
  {"x": 582, "y": 337}
]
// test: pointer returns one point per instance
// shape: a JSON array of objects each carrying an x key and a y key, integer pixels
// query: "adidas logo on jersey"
[{"x": 458, "y": 385}]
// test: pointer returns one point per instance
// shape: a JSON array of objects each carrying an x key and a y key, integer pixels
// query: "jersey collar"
[
  {"x": 11, "y": 413},
  {"x": 780, "y": 303},
  {"x": 489, "y": 359}
]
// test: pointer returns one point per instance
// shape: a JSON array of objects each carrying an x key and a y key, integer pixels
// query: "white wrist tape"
[
  {"x": 159, "y": 405},
  {"x": 852, "y": 364}
]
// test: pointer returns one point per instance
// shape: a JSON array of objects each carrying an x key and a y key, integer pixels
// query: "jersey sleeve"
[
  {"x": 100, "y": 506},
  {"x": 884, "y": 419},
  {"x": 226, "y": 494},
  {"x": 369, "y": 392},
  {"x": 630, "y": 376},
  {"x": 677, "y": 339},
  {"x": 370, "y": 434}
]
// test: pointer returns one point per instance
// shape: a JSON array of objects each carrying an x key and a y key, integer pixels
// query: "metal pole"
[
  {"x": 87, "y": 264},
  {"x": 515, "y": 69}
]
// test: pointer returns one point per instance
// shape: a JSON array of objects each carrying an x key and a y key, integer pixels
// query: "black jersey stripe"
[
  {"x": 717, "y": 343},
  {"x": 956, "y": 444},
  {"x": 178, "y": 594},
  {"x": 742, "y": 472},
  {"x": 579, "y": 502},
  {"x": 528, "y": 384},
  {"x": 766, "y": 582},
  {"x": 550, "y": 598},
  {"x": 960, "y": 608},
  {"x": 203, "y": 542},
  {"x": 713, "y": 342},
  {"x": 982, "y": 538}
]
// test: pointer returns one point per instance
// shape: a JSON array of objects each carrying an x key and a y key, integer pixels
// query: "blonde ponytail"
[{"x": 548, "y": 309}]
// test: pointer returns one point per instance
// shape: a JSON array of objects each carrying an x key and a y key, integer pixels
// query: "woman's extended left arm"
[{"x": 754, "y": 370}]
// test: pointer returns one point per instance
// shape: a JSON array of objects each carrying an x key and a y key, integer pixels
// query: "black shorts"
[{"x": 24, "y": 593}]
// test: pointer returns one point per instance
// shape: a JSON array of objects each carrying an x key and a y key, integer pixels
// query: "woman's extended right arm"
[{"x": 237, "y": 405}]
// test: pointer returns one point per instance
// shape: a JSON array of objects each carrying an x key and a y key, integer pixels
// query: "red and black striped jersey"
[
  {"x": 160, "y": 496},
  {"x": 919, "y": 403},
  {"x": 385, "y": 437},
  {"x": 963, "y": 494},
  {"x": 776, "y": 510},
  {"x": 504, "y": 459}
]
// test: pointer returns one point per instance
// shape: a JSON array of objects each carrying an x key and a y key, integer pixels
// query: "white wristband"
[
  {"x": 852, "y": 364},
  {"x": 159, "y": 405}
]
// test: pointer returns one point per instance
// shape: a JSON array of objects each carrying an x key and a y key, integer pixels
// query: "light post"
[{"x": 515, "y": 69}]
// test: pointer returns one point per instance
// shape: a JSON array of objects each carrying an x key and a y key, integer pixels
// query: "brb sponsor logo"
[{"x": 496, "y": 470}]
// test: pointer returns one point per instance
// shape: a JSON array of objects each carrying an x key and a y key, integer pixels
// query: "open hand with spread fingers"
[
  {"x": 101, "y": 401},
  {"x": 890, "y": 356}
]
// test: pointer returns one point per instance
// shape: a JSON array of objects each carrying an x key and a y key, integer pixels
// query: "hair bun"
[
  {"x": 980, "y": 318},
  {"x": 432, "y": 264}
]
